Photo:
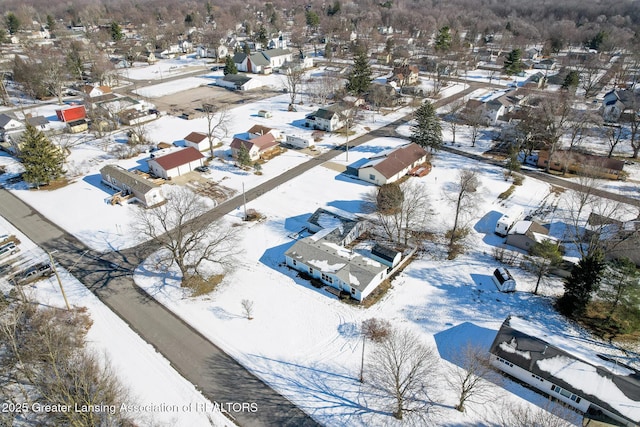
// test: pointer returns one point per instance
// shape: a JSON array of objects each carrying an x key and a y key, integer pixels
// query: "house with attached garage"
[
  {"x": 391, "y": 165},
  {"x": 175, "y": 164},
  {"x": 145, "y": 191},
  {"x": 602, "y": 388},
  {"x": 329, "y": 119}
]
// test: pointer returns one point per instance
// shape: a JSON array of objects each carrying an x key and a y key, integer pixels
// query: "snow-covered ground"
[
  {"x": 166, "y": 397},
  {"x": 303, "y": 341}
]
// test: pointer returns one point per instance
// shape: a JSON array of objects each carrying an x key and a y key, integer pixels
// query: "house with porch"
[
  {"x": 144, "y": 191},
  {"x": 603, "y": 389},
  {"x": 391, "y": 165},
  {"x": 582, "y": 163},
  {"x": 329, "y": 118},
  {"x": 257, "y": 146},
  {"x": 175, "y": 164}
]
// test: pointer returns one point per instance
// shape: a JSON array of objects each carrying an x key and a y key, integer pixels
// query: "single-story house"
[
  {"x": 238, "y": 82},
  {"x": 605, "y": 390},
  {"x": 389, "y": 166},
  {"x": 525, "y": 234},
  {"x": 340, "y": 227},
  {"x": 619, "y": 239},
  {"x": 199, "y": 141},
  {"x": 577, "y": 162},
  {"x": 176, "y": 164},
  {"x": 328, "y": 119},
  {"x": 144, "y": 191},
  {"x": 71, "y": 113},
  {"x": 9, "y": 122},
  {"x": 297, "y": 141},
  {"x": 336, "y": 266},
  {"x": 39, "y": 122},
  {"x": 257, "y": 146}
]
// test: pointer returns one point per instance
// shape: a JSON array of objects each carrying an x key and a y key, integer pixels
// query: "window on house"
[
  {"x": 326, "y": 278},
  {"x": 372, "y": 176},
  {"x": 311, "y": 271},
  {"x": 353, "y": 291},
  {"x": 294, "y": 262}
]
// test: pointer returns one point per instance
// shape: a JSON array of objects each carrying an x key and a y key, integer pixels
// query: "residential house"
[
  {"x": 491, "y": 108},
  {"x": 9, "y": 124},
  {"x": 324, "y": 257},
  {"x": 525, "y": 234},
  {"x": 257, "y": 146},
  {"x": 39, "y": 122},
  {"x": 259, "y": 130},
  {"x": 618, "y": 101},
  {"x": 143, "y": 190},
  {"x": 391, "y": 165},
  {"x": 328, "y": 119},
  {"x": 344, "y": 226},
  {"x": 78, "y": 126},
  {"x": 404, "y": 75},
  {"x": 262, "y": 62},
  {"x": 582, "y": 163},
  {"x": 619, "y": 239},
  {"x": 238, "y": 82},
  {"x": 91, "y": 91},
  {"x": 199, "y": 141},
  {"x": 71, "y": 113},
  {"x": 176, "y": 164},
  {"x": 605, "y": 390}
]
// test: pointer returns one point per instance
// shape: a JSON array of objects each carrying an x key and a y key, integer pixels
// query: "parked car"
[
  {"x": 202, "y": 168},
  {"x": 8, "y": 249}
]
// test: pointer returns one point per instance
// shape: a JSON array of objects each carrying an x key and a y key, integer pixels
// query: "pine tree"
[
  {"x": 229, "y": 66},
  {"x": 116, "y": 32},
  {"x": 513, "y": 62},
  {"x": 580, "y": 286},
  {"x": 571, "y": 81},
  {"x": 12, "y": 22},
  {"x": 244, "y": 159},
  {"x": 427, "y": 132},
  {"x": 443, "y": 39},
  {"x": 620, "y": 286},
  {"x": 359, "y": 79},
  {"x": 43, "y": 162}
]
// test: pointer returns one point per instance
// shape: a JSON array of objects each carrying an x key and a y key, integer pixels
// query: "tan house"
[
  {"x": 582, "y": 163},
  {"x": 176, "y": 164},
  {"x": 391, "y": 165},
  {"x": 143, "y": 190},
  {"x": 256, "y": 147},
  {"x": 525, "y": 234}
]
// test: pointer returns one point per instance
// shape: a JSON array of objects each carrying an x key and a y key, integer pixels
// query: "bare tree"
[
  {"x": 453, "y": 118},
  {"x": 54, "y": 73},
  {"x": 44, "y": 361},
  {"x": 292, "y": 82},
  {"x": 466, "y": 187},
  {"x": 544, "y": 257},
  {"x": 177, "y": 227},
  {"x": 247, "y": 308},
  {"x": 218, "y": 120},
  {"x": 553, "y": 117},
  {"x": 474, "y": 117},
  {"x": 590, "y": 72},
  {"x": 375, "y": 330},
  {"x": 400, "y": 368},
  {"x": 410, "y": 213},
  {"x": 472, "y": 376},
  {"x": 613, "y": 134}
]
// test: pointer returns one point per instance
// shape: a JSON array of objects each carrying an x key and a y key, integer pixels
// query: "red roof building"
[{"x": 176, "y": 164}]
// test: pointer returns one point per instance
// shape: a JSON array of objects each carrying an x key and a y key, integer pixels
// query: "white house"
[
  {"x": 262, "y": 62},
  {"x": 328, "y": 119},
  {"x": 91, "y": 91},
  {"x": 603, "y": 389},
  {"x": 9, "y": 122},
  {"x": 257, "y": 146},
  {"x": 176, "y": 164},
  {"x": 389, "y": 166},
  {"x": 199, "y": 141},
  {"x": 144, "y": 191}
]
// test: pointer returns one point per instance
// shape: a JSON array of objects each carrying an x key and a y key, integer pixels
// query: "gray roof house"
[
  {"x": 525, "y": 234},
  {"x": 328, "y": 119},
  {"x": 145, "y": 191},
  {"x": 336, "y": 266},
  {"x": 345, "y": 227},
  {"x": 262, "y": 62},
  {"x": 238, "y": 82},
  {"x": 606, "y": 391}
]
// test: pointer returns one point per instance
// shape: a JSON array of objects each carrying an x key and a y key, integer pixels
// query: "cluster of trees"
[{"x": 44, "y": 360}]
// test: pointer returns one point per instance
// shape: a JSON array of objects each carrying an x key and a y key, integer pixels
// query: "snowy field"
[{"x": 148, "y": 376}]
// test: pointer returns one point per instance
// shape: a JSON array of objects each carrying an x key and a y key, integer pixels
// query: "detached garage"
[{"x": 176, "y": 164}]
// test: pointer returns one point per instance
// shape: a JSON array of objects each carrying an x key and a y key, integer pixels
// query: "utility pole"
[
  {"x": 53, "y": 267},
  {"x": 244, "y": 203}
]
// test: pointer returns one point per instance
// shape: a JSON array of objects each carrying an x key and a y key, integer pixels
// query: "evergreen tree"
[
  {"x": 244, "y": 159},
  {"x": 246, "y": 49},
  {"x": 13, "y": 23},
  {"x": 51, "y": 23},
  {"x": 116, "y": 32},
  {"x": 43, "y": 162},
  {"x": 313, "y": 20},
  {"x": 580, "y": 286},
  {"x": 262, "y": 36},
  {"x": 328, "y": 50},
  {"x": 513, "y": 62},
  {"x": 571, "y": 81},
  {"x": 443, "y": 39},
  {"x": 427, "y": 132},
  {"x": 620, "y": 287},
  {"x": 359, "y": 78},
  {"x": 229, "y": 66}
]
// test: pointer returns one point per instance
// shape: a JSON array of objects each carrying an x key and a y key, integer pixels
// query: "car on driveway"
[{"x": 202, "y": 168}]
